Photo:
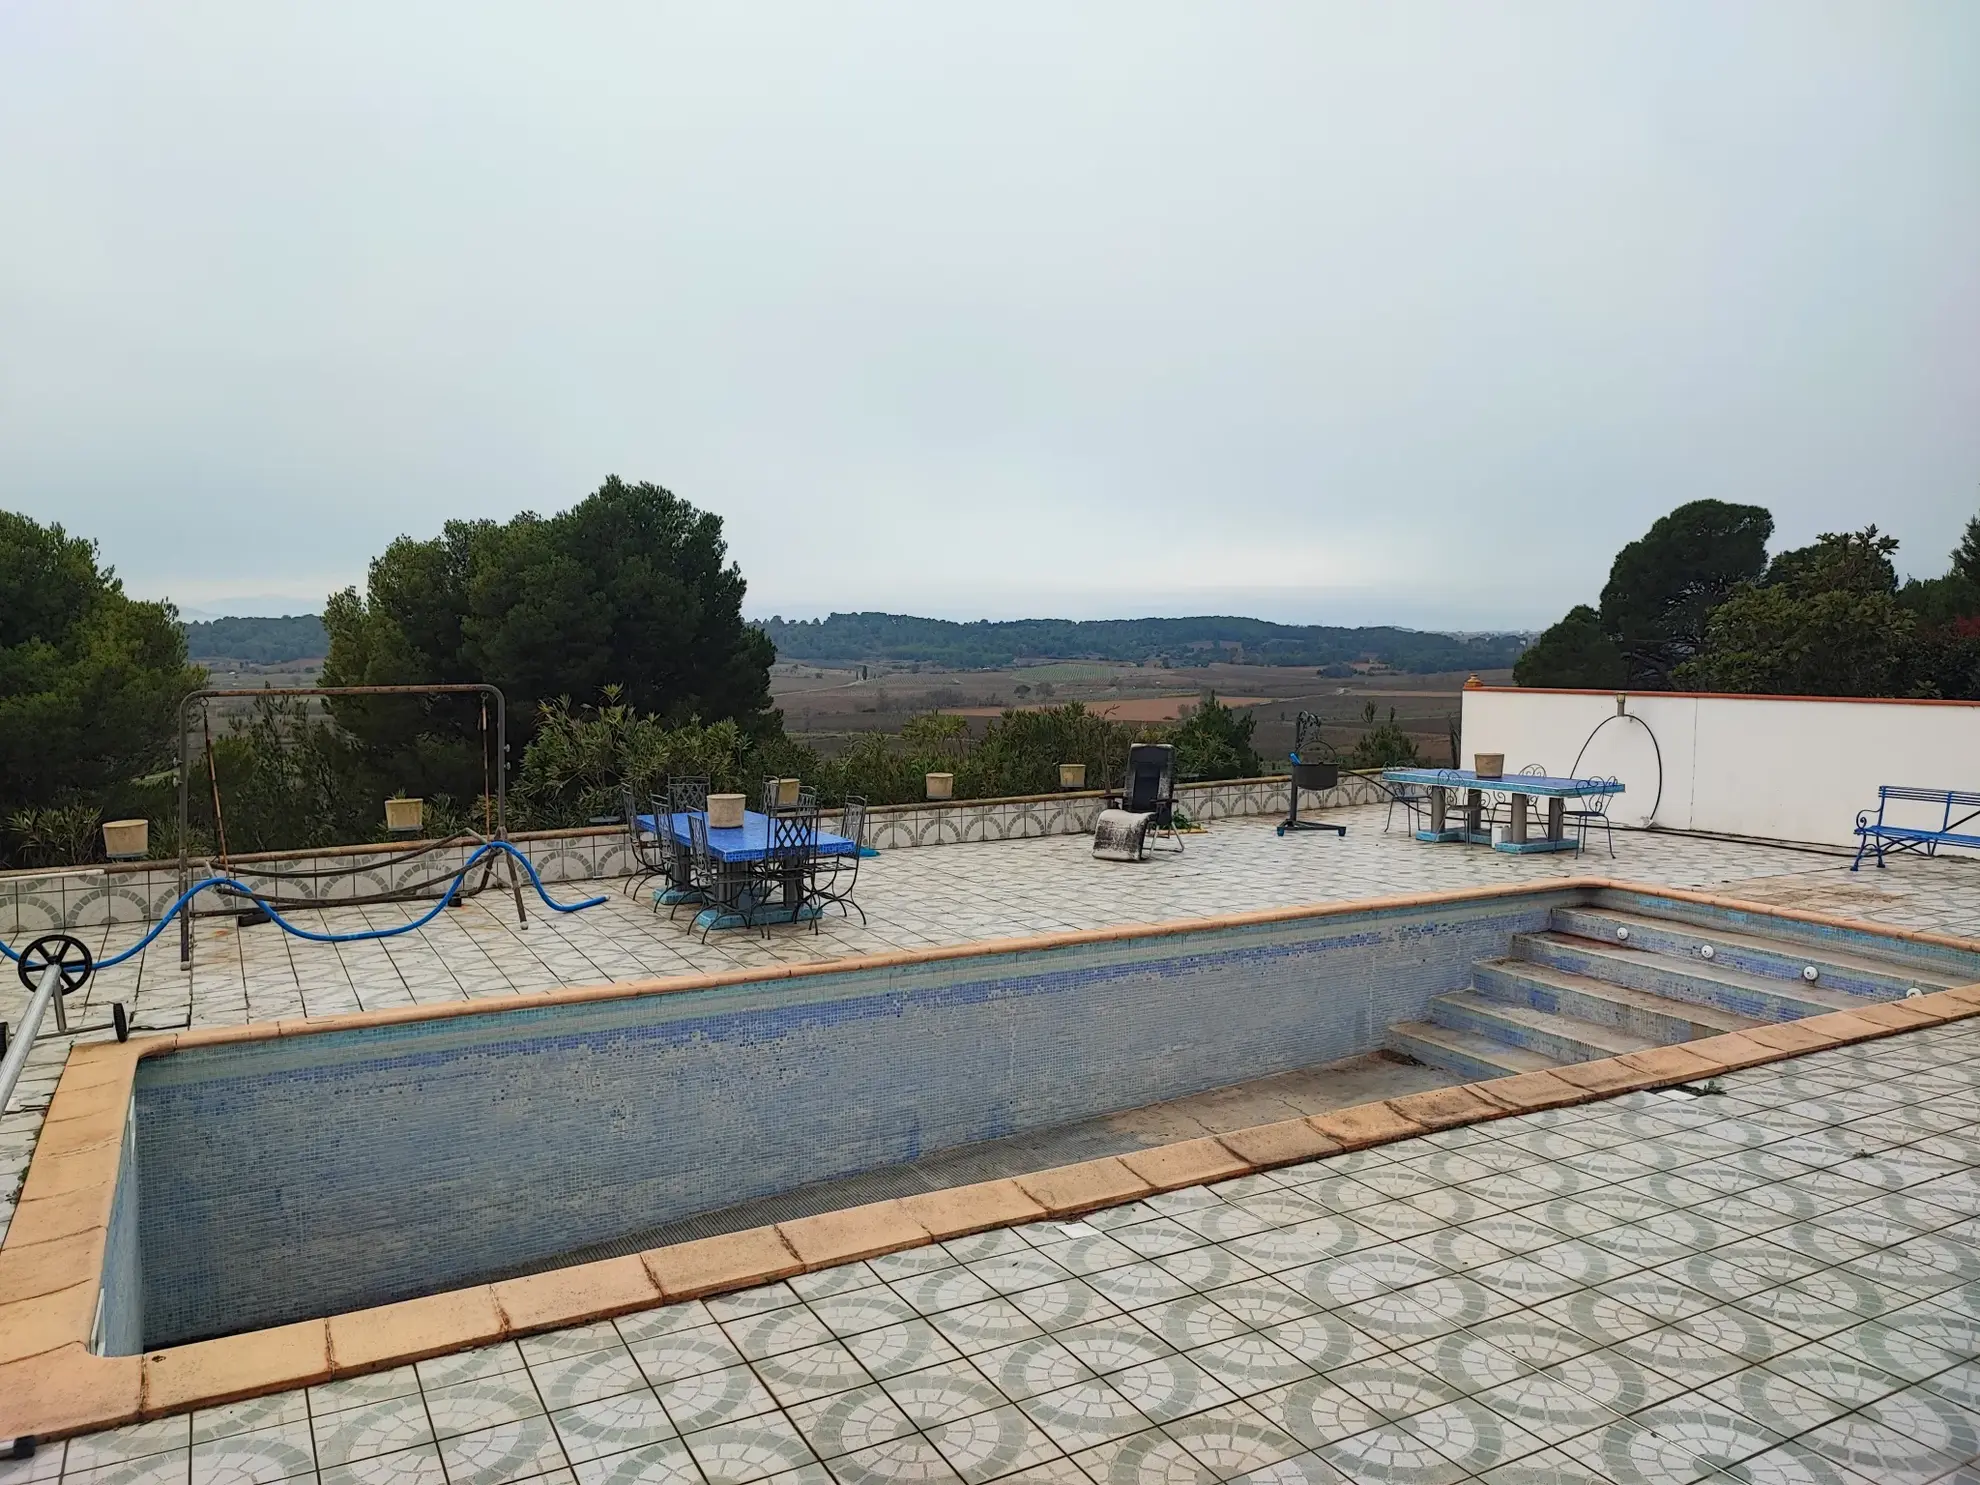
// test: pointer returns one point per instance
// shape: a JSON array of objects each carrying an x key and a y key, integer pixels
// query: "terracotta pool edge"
[{"x": 52, "y": 1386}]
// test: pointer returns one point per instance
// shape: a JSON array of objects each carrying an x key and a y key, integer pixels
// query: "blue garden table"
[
  {"x": 735, "y": 850},
  {"x": 1445, "y": 784}
]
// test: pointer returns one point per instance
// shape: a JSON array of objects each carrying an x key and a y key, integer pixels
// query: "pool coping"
[{"x": 51, "y": 1264}]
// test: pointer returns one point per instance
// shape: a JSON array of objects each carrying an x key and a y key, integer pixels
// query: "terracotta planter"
[
  {"x": 126, "y": 840},
  {"x": 1072, "y": 775},
  {"x": 787, "y": 792},
  {"x": 404, "y": 814},
  {"x": 1489, "y": 765},
  {"x": 725, "y": 811},
  {"x": 941, "y": 785}
]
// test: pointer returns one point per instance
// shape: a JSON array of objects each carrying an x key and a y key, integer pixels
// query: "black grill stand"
[{"x": 1322, "y": 773}]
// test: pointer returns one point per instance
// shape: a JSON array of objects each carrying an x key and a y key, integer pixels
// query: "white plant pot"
[
  {"x": 725, "y": 811},
  {"x": 126, "y": 840},
  {"x": 404, "y": 814},
  {"x": 941, "y": 785},
  {"x": 787, "y": 792}
]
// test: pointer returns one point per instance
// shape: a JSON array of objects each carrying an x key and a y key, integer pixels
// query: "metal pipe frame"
[{"x": 481, "y": 688}]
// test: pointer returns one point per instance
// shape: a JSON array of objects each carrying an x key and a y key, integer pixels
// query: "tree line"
[
  {"x": 855, "y": 638},
  {"x": 615, "y": 630},
  {"x": 1697, "y": 604}
]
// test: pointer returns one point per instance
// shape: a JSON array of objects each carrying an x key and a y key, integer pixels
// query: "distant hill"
[
  {"x": 260, "y": 641},
  {"x": 868, "y": 637}
]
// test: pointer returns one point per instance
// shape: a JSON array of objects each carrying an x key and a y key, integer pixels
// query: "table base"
[{"x": 712, "y": 918}]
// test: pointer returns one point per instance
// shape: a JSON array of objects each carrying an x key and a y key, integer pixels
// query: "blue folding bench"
[{"x": 1879, "y": 837}]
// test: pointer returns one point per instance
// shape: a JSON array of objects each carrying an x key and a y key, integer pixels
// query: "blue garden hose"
[{"x": 340, "y": 938}]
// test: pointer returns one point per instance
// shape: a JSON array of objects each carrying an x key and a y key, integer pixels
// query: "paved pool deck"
[{"x": 1778, "y": 1281}]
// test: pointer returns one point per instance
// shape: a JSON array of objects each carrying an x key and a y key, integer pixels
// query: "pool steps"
[{"x": 1580, "y": 992}]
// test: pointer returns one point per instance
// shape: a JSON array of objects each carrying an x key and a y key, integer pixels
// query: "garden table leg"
[
  {"x": 1517, "y": 830},
  {"x": 1556, "y": 818}
]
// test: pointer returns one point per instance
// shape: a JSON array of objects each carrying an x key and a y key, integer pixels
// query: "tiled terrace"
[{"x": 1777, "y": 1283}]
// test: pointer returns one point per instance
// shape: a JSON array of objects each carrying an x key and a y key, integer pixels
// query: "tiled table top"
[{"x": 1776, "y": 1282}]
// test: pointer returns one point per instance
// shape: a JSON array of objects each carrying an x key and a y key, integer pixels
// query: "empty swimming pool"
[{"x": 267, "y": 1178}]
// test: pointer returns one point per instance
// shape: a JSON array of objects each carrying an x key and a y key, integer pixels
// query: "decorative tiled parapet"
[{"x": 33, "y": 903}]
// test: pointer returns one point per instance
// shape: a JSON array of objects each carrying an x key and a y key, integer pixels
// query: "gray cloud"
[{"x": 1324, "y": 312}]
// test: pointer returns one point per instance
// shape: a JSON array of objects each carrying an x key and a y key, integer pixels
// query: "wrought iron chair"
[
  {"x": 1151, "y": 788},
  {"x": 1591, "y": 811},
  {"x": 653, "y": 854},
  {"x": 834, "y": 877},
  {"x": 1414, "y": 799},
  {"x": 783, "y": 879},
  {"x": 687, "y": 793},
  {"x": 698, "y": 891}
]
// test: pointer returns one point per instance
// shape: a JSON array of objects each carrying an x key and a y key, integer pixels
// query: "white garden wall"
[{"x": 1776, "y": 767}]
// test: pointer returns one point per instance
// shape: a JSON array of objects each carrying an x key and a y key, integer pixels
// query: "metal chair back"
[
  {"x": 1151, "y": 781},
  {"x": 687, "y": 793}
]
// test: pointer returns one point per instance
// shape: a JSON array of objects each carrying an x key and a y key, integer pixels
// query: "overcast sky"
[{"x": 1325, "y": 313}]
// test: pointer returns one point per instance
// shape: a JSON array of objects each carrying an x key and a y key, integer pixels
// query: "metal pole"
[{"x": 18, "y": 1048}]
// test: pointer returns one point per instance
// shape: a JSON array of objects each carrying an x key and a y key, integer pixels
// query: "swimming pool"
[{"x": 275, "y": 1179}]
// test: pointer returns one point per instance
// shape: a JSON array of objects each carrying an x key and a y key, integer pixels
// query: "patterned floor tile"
[
  {"x": 1471, "y": 1435},
  {"x": 1109, "y": 1345},
  {"x": 1468, "y": 1362},
  {"x": 896, "y": 1349},
  {"x": 133, "y": 1441},
  {"x": 1208, "y": 1267},
  {"x": 848, "y": 1421},
  {"x": 1062, "y": 1303},
  {"x": 517, "y": 1450},
  {"x": 469, "y": 1407},
  {"x": 912, "y": 1460},
  {"x": 470, "y": 1366},
  {"x": 356, "y": 1392},
  {"x": 753, "y": 1449},
  {"x": 990, "y": 1445},
  {"x": 816, "y": 1371},
  {"x": 1300, "y": 1469},
  {"x": 1150, "y": 1457},
  {"x": 416, "y": 1466},
  {"x": 711, "y": 1398},
  {"x": 942, "y": 1393},
  {"x": 771, "y": 1333},
  {"x": 666, "y": 1462},
  {"x": 860, "y": 1310},
  {"x": 263, "y": 1457},
  {"x": 686, "y": 1353},
  {"x": 1030, "y": 1367},
  {"x": 1249, "y": 1363},
  {"x": 1233, "y": 1439},
  {"x": 1083, "y": 1415},
  {"x": 611, "y": 1425},
  {"x": 370, "y": 1429},
  {"x": 557, "y": 1344},
  {"x": 1873, "y": 1449},
  {"x": 1136, "y": 1284},
  {"x": 250, "y": 1416},
  {"x": 1390, "y": 1455},
  {"x": 587, "y": 1376},
  {"x": 985, "y": 1326}
]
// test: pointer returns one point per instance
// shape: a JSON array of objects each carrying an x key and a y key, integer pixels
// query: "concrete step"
[
  {"x": 1878, "y": 976},
  {"x": 1465, "y": 1053},
  {"x": 1657, "y": 1018},
  {"x": 1698, "y": 980},
  {"x": 1560, "y": 1038}
]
